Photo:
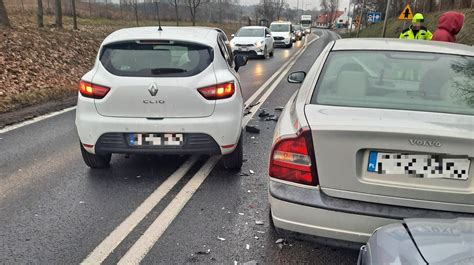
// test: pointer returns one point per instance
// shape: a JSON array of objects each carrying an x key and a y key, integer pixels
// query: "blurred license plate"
[
  {"x": 156, "y": 139},
  {"x": 419, "y": 165}
]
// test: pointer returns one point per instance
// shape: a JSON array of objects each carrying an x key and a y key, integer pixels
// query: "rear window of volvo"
[
  {"x": 398, "y": 80},
  {"x": 150, "y": 59}
]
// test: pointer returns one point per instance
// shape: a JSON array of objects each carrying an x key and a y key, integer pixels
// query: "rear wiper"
[{"x": 157, "y": 71}]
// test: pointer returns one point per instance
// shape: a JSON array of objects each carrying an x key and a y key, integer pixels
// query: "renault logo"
[{"x": 153, "y": 89}]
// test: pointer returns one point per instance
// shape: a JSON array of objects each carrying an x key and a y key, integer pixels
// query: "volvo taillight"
[
  {"x": 220, "y": 91},
  {"x": 90, "y": 90},
  {"x": 292, "y": 159}
]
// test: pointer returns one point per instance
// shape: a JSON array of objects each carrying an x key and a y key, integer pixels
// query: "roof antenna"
[{"x": 158, "y": 12}]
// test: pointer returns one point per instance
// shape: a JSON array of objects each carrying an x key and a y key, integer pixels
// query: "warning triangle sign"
[{"x": 406, "y": 14}]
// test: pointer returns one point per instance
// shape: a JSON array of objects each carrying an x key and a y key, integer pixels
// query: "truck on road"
[{"x": 306, "y": 23}]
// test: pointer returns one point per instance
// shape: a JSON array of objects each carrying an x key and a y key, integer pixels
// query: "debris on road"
[
  {"x": 138, "y": 176},
  {"x": 251, "y": 172},
  {"x": 261, "y": 232},
  {"x": 81, "y": 202},
  {"x": 220, "y": 238},
  {"x": 252, "y": 129},
  {"x": 279, "y": 108},
  {"x": 258, "y": 222},
  {"x": 247, "y": 112},
  {"x": 243, "y": 174},
  {"x": 241, "y": 214},
  {"x": 263, "y": 113},
  {"x": 207, "y": 252},
  {"x": 254, "y": 104},
  {"x": 281, "y": 242},
  {"x": 271, "y": 119},
  {"x": 247, "y": 246},
  {"x": 253, "y": 137}
]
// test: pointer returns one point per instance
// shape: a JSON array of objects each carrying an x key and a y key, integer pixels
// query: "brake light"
[
  {"x": 292, "y": 159},
  {"x": 220, "y": 91},
  {"x": 90, "y": 90}
]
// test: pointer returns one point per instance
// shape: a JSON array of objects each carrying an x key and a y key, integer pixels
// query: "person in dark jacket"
[{"x": 449, "y": 25}]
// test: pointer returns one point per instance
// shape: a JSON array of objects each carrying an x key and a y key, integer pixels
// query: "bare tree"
[
  {"x": 135, "y": 10},
  {"x": 3, "y": 15},
  {"x": 59, "y": 14},
  {"x": 175, "y": 4},
  {"x": 74, "y": 16},
  {"x": 466, "y": 3},
  {"x": 193, "y": 6},
  {"x": 121, "y": 9},
  {"x": 22, "y": 6},
  {"x": 279, "y": 6},
  {"x": 90, "y": 8},
  {"x": 450, "y": 4},
  {"x": 39, "y": 14},
  {"x": 267, "y": 9}
]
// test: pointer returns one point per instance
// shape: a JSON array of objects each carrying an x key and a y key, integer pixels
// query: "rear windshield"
[
  {"x": 164, "y": 58},
  {"x": 246, "y": 32},
  {"x": 280, "y": 27},
  {"x": 397, "y": 80}
]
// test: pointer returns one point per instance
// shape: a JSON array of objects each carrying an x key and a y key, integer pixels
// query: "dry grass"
[{"x": 40, "y": 65}]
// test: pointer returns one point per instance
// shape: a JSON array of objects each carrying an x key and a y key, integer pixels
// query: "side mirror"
[
  {"x": 268, "y": 36},
  {"x": 239, "y": 61},
  {"x": 232, "y": 35},
  {"x": 296, "y": 77}
]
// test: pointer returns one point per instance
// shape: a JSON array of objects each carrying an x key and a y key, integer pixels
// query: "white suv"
[
  {"x": 283, "y": 34},
  {"x": 169, "y": 91}
]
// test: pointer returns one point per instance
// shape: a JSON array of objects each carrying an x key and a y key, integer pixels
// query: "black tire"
[
  {"x": 290, "y": 45},
  {"x": 265, "y": 53},
  {"x": 272, "y": 224},
  {"x": 95, "y": 161},
  {"x": 271, "y": 54},
  {"x": 235, "y": 160}
]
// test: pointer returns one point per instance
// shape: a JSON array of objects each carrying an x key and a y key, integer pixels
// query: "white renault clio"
[{"x": 169, "y": 91}]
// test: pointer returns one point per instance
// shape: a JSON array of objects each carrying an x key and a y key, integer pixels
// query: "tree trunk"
[
  {"x": 39, "y": 14},
  {"x": 136, "y": 12},
  {"x": 90, "y": 8},
  {"x": 74, "y": 16},
  {"x": 22, "y": 6},
  {"x": 176, "y": 10},
  {"x": 450, "y": 4},
  {"x": 466, "y": 3},
  {"x": 3, "y": 15},
  {"x": 59, "y": 14},
  {"x": 121, "y": 9},
  {"x": 194, "y": 16}
]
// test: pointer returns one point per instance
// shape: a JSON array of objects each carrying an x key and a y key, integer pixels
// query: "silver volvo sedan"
[{"x": 379, "y": 131}]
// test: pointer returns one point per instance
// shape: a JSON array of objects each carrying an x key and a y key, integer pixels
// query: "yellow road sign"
[{"x": 406, "y": 13}]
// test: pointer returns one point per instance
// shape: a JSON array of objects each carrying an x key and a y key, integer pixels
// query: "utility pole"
[
  {"x": 360, "y": 20},
  {"x": 385, "y": 19}
]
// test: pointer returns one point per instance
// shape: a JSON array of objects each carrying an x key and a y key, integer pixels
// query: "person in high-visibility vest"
[{"x": 417, "y": 31}]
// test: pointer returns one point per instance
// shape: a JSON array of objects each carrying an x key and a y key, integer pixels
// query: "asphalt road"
[{"x": 55, "y": 210}]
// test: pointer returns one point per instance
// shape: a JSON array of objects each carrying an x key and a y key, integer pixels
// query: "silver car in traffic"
[{"x": 379, "y": 131}]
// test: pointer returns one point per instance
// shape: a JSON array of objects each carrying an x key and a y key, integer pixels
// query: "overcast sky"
[{"x": 308, "y": 4}]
